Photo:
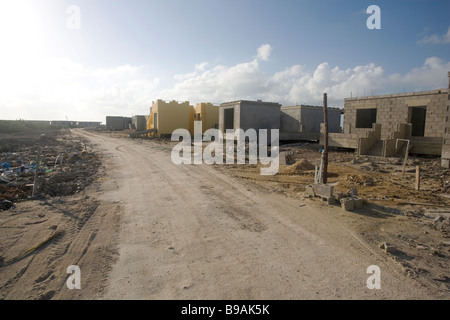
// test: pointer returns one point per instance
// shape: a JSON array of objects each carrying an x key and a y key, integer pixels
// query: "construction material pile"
[{"x": 58, "y": 161}]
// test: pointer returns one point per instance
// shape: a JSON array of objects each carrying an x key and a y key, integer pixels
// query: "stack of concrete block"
[
  {"x": 351, "y": 202},
  {"x": 327, "y": 193},
  {"x": 323, "y": 191}
]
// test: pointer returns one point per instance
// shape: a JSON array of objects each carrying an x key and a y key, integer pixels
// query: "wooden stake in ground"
[
  {"x": 325, "y": 141},
  {"x": 36, "y": 172},
  {"x": 417, "y": 178},
  {"x": 406, "y": 153},
  {"x": 406, "y": 158}
]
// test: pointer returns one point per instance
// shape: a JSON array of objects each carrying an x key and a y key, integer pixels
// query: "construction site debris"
[
  {"x": 369, "y": 182},
  {"x": 323, "y": 190},
  {"x": 286, "y": 158},
  {"x": 347, "y": 204},
  {"x": 387, "y": 247},
  {"x": 309, "y": 189},
  {"x": 352, "y": 192},
  {"x": 19, "y": 165},
  {"x": 6, "y": 205}
]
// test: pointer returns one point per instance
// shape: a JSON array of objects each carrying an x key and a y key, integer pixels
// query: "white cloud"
[
  {"x": 264, "y": 52},
  {"x": 52, "y": 89},
  {"x": 296, "y": 84},
  {"x": 436, "y": 38}
]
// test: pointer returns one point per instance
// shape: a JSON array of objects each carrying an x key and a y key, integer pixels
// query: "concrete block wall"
[
  {"x": 340, "y": 140},
  {"x": 303, "y": 122},
  {"x": 259, "y": 115},
  {"x": 290, "y": 119},
  {"x": 117, "y": 123},
  {"x": 251, "y": 115},
  {"x": 139, "y": 123},
  {"x": 391, "y": 146},
  {"x": 445, "y": 156},
  {"x": 307, "y": 119},
  {"x": 393, "y": 109},
  {"x": 366, "y": 142},
  {"x": 426, "y": 145}
]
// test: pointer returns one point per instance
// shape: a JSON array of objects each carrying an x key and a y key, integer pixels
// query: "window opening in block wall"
[{"x": 366, "y": 117}]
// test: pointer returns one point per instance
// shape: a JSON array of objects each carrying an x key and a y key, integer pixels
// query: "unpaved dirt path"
[{"x": 193, "y": 232}]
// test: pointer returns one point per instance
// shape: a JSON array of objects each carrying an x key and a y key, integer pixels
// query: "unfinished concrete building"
[
  {"x": 208, "y": 114},
  {"x": 166, "y": 116},
  {"x": 445, "y": 156},
  {"x": 302, "y": 122},
  {"x": 372, "y": 125},
  {"x": 88, "y": 124},
  {"x": 139, "y": 123},
  {"x": 245, "y": 114},
  {"x": 117, "y": 123}
]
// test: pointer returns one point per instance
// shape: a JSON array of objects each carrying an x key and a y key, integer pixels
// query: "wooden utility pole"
[{"x": 325, "y": 141}]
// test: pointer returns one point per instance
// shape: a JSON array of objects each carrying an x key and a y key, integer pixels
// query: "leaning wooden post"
[
  {"x": 36, "y": 172},
  {"x": 417, "y": 178},
  {"x": 325, "y": 141},
  {"x": 406, "y": 158}
]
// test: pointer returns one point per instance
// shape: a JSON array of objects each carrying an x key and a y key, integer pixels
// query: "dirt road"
[{"x": 193, "y": 232}]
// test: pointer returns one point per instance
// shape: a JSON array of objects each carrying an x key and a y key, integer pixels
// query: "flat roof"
[
  {"x": 275, "y": 104},
  {"x": 309, "y": 107},
  {"x": 398, "y": 95}
]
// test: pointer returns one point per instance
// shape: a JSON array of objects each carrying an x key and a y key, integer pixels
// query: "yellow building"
[
  {"x": 166, "y": 116},
  {"x": 208, "y": 114}
]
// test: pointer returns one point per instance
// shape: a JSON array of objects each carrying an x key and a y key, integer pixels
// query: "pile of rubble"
[{"x": 65, "y": 167}]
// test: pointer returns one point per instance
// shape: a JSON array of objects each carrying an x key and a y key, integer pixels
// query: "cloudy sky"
[{"x": 86, "y": 59}]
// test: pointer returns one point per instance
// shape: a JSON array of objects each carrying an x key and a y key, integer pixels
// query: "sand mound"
[{"x": 299, "y": 166}]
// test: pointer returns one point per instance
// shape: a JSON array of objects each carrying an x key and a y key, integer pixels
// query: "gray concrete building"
[
  {"x": 372, "y": 125},
  {"x": 63, "y": 123},
  {"x": 302, "y": 122},
  {"x": 245, "y": 114},
  {"x": 88, "y": 124},
  {"x": 118, "y": 123},
  {"x": 139, "y": 123}
]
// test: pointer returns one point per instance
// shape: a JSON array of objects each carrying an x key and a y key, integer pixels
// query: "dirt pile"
[{"x": 299, "y": 167}]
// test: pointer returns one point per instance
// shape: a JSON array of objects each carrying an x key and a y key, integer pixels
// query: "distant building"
[
  {"x": 117, "y": 123},
  {"x": 63, "y": 123},
  {"x": 208, "y": 114},
  {"x": 245, "y": 114},
  {"x": 167, "y": 116},
  {"x": 88, "y": 124},
  {"x": 373, "y": 124},
  {"x": 139, "y": 123},
  {"x": 303, "y": 122}
]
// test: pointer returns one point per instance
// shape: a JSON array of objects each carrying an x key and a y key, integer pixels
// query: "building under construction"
[{"x": 385, "y": 125}]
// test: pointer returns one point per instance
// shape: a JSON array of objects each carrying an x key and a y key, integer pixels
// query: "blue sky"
[{"x": 126, "y": 54}]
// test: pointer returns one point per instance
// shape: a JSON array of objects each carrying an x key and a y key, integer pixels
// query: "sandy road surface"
[{"x": 192, "y": 232}]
